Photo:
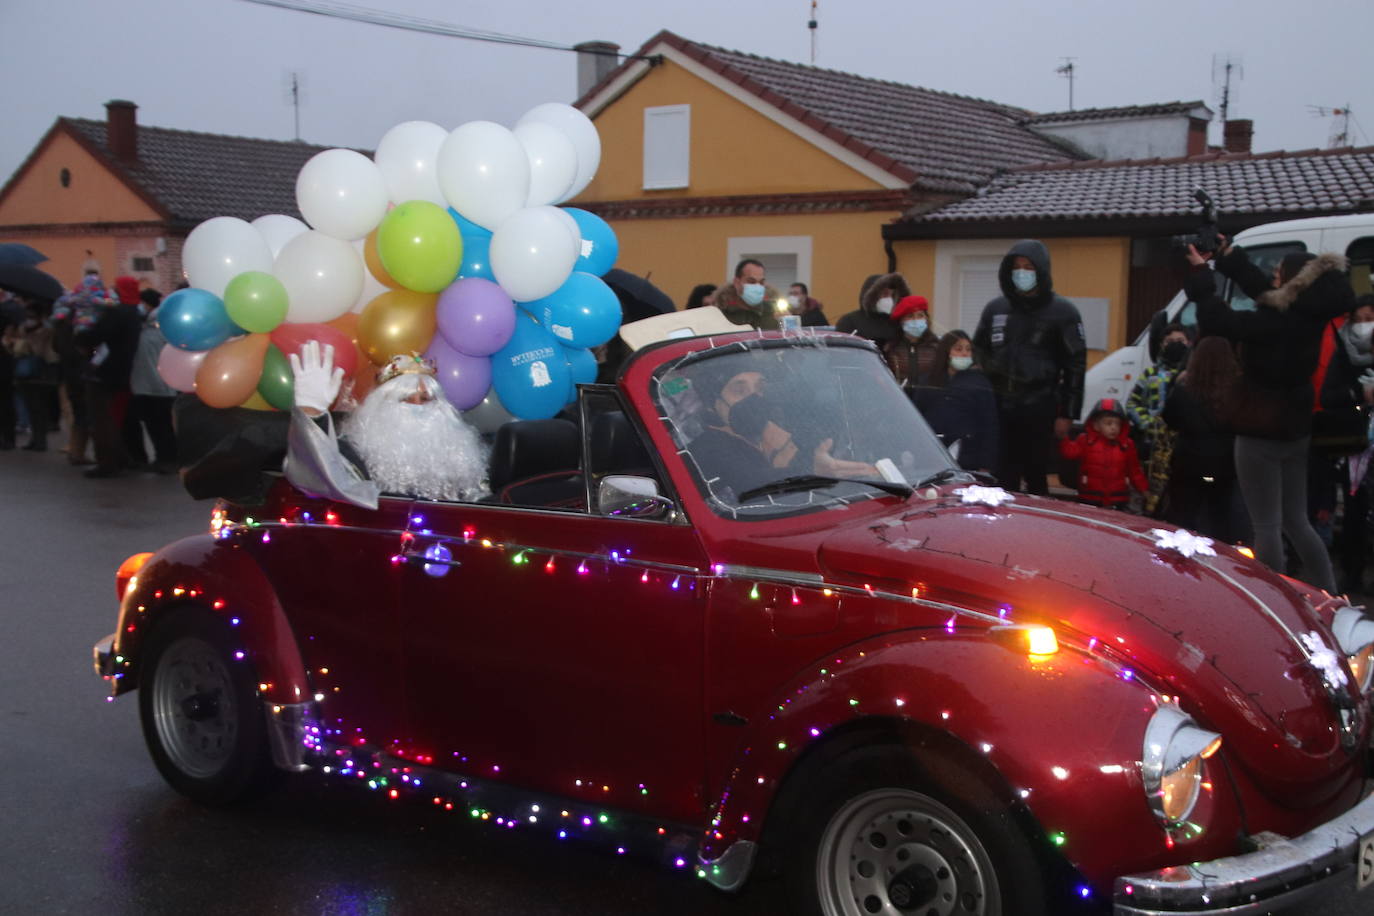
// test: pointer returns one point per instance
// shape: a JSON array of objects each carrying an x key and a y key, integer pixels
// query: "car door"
[{"x": 558, "y": 649}]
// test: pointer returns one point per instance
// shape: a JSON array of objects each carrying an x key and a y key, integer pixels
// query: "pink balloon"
[
  {"x": 289, "y": 339},
  {"x": 178, "y": 367}
]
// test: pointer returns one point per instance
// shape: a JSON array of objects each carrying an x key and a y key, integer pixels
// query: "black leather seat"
[
  {"x": 536, "y": 463},
  {"x": 616, "y": 448}
]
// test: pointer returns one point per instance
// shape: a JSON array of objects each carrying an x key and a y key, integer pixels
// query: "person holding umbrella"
[{"x": 18, "y": 276}]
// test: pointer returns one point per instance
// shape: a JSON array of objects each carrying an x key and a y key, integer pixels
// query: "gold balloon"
[
  {"x": 257, "y": 402},
  {"x": 398, "y": 321},
  {"x": 229, "y": 373}
]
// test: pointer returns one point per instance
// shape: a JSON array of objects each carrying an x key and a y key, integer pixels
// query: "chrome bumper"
[
  {"x": 102, "y": 656},
  {"x": 1281, "y": 873}
]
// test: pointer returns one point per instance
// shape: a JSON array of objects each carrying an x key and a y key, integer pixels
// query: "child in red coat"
[{"x": 1107, "y": 462}]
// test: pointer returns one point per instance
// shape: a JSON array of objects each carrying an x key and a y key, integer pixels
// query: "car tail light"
[{"x": 128, "y": 572}]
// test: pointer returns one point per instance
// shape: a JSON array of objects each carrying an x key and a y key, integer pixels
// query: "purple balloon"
[
  {"x": 465, "y": 379},
  {"x": 476, "y": 316}
]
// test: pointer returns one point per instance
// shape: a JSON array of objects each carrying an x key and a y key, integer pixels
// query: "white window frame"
[
  {"x": 740, "y": 247},
  {"x": 660, "y": 172}
]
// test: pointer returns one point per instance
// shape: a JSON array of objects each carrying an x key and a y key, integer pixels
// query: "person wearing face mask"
[
  {"x": 911, "y": 354},
  {"x": 1145, "y": 407},
  {"x": 1030, "y": 343},
  {"x": 810, "y": 310},
  {"x": 1349, "y": 383},
  {"x": 872, "y": 320},
  {"x": 748, "y": 299},
  {"x": 957, "y": 401}
]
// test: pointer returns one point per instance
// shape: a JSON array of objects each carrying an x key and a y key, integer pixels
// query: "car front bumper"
[
  {"x": 1280, "y": 873},
  {"x": 102, "y": 656}
]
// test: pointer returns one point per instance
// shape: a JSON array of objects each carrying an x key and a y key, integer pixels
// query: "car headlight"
[
  {"x": 1175, "y": 747},
  {"x": 1354, "y": 634}
]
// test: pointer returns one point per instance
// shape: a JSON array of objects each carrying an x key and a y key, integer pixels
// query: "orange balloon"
[
  {"x": 374, "y": 262},
  {"x": 347, "y": 324},
  {"x": 257, "y": 402},
  {"x": 396, "y": 322},
  {"x": 229, "y": 373}
]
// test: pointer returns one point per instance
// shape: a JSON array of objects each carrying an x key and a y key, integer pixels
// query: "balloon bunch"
[{"x": 444, "y": 243}]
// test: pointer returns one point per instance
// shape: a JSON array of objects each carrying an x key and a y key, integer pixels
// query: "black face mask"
[
  {"x": 749, "y": 416},
  {"x": 1174, "y": 353}
]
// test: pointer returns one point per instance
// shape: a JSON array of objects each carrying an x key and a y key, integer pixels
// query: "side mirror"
[{"x": 627, "y": 496}]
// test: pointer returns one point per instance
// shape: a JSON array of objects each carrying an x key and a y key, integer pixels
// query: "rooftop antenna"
[
  {"x": 1340, "y": 127},
  {"x": 294, "y": 90},
  {"x": 811, "y": 24},
  {"x": 1222, "y": 71},
  {"x": 1066, "y": 70}
]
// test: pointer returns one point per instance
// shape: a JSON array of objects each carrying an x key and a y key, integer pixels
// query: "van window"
[
  {"x": 1266, "y": 258},
  {"x": 1361, "y": 255}
]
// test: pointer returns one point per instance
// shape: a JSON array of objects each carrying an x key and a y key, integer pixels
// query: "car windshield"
[{"x": 774, "y": 427}]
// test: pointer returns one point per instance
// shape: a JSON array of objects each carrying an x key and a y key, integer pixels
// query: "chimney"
[
  {"x": 121, "y": 130},
  {"x": 594, "y": 60},
  {"x": 1236, "y": 135}
]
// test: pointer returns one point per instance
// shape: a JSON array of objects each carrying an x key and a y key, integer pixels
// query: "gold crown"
[{"x": 406, "y": 363}]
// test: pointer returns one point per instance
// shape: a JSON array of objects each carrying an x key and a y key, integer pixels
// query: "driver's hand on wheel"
[{"x": 827, "y": 465}]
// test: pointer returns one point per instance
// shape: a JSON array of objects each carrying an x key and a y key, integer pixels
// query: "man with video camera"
[{"x": 1272, "y": 401}]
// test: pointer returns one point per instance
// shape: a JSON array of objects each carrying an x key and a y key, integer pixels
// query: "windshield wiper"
[
  {"x": 951, "y": 473},
  {"x": 816, "y": 481}
]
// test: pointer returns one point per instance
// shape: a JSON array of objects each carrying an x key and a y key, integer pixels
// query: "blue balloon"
[
  {"x": 581, "y": 369},
  {"x": 476, "y": 257},
  {"x": 195, "y": 319},
  {"x": 530, "y": 373},
  {"x": 600, "y": 247},
  {"x": 583, "y": 312},
  {"x": 467, "y": 228}
]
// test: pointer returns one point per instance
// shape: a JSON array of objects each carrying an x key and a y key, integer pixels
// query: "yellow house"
[{"x": 711, "y": 155}]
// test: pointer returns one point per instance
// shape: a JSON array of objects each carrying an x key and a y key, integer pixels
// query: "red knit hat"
[
  {"x": 910, "y": 304},
  {"x": 126, "y": 288}
]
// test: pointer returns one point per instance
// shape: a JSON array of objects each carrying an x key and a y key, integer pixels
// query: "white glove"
[{"x": 316, "y": 378}]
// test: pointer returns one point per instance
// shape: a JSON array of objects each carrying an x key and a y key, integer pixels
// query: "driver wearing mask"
[{"x": 748, "y": 299}]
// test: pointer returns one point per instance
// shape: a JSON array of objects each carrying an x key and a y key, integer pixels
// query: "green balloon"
[
  {"x": 420, "y": 246},
  {"x": 276, "y": 384},
  {"x": 255, "y": 301}
]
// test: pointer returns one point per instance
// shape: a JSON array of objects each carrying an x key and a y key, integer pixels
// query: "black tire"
[
  {"x": 877, "y": 836},
  {"x": 202, "y": 718}
]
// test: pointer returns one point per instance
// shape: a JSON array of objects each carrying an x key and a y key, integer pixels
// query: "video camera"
[{"x": 1207, "y": 240}]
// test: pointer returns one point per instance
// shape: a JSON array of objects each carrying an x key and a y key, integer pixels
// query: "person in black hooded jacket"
[
  {"x": 1030, "y": 344},
  {"x": 1271, "y": 411},
  {"x": 872, "y": 320}
]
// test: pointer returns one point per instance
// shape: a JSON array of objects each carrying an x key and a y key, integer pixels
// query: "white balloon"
[
  {"x": 341, "y": 193},
  {"x": 323, "y": 277},
  {"x": 532, "y": 253},
  {"x": 573, "y": 229},
  {"x": 553, "y": 161},
  {"x": 408, "y": 156},
  {"x": 484, "y": 172},
  {"x": 580, "y": 130},
  {"x": 220, "y": 249},
  {"x": 278, "y": 229},
  {"x": 372, "y": 287}
]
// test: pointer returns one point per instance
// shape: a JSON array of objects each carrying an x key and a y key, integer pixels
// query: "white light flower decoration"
[
  {"x": 987, "y": 496},
  {"x": 1323, "y": 659},
  {"x": 1184, "y": 542}
]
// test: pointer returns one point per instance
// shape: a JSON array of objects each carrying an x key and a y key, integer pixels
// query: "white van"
[{"x": 1353, "y": 236}]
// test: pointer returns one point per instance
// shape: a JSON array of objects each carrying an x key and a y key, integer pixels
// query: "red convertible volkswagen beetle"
[{"x": 748, "y": 614}]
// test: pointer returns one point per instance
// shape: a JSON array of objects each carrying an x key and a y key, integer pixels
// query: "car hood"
[{"x": 1222, "y": 632}]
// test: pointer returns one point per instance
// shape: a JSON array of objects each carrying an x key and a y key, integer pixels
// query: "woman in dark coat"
[
  {"x": 1271, "y": 413},
  {"x": 1349, "y": 383},
  {"x": 1202, "y": 472},
  {"x": 956, "y": 399}
]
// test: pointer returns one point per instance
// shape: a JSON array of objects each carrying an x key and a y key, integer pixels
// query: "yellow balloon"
[
  {"x": 396, "y": 322},
  {"x": 257, "y": 402}
]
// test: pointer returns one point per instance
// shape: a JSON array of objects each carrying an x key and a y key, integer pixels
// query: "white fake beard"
[{"x": 423, "y": 450}]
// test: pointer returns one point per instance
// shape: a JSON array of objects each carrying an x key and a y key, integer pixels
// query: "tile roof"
[
  {"x": 1299, "y": 183},
  {"x": 938, "y": 141},
  {"x": 1129, "y": 111},
  {"x": 196, "y": 176}
]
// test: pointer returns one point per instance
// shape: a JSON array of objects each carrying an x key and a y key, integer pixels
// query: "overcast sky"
[{"x": 223, "y": 65}]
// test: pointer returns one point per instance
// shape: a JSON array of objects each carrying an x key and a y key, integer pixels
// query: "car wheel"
[
  {"x": 202, "y": 718},
  {"x": 884, "y": 841}
]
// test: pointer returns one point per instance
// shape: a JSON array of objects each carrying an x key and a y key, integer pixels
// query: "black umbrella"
[
  {"x": 19, "y": 253},
  {"x": 27, "y": 280},
  {"x": 638, "y": 297}
]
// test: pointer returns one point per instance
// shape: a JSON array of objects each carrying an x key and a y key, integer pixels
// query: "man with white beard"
[{"x": 405, "y": 438}]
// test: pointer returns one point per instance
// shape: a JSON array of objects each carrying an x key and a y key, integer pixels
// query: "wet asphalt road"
[{"x": 87, "y": 825}]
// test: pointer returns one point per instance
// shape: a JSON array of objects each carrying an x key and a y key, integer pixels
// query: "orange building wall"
[{"x": 733, "y": 149}]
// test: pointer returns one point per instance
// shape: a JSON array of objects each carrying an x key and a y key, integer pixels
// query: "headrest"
[
  {"x": 615, "y": 446},
  {"x": 526, "y": 448}
]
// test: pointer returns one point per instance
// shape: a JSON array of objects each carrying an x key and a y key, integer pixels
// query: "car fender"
[
  {"x": 215, "y": 574},
  {"x": 1063, "y": 735}
]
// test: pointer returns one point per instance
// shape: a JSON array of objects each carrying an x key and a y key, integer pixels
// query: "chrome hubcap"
[
  {"x": 193, "y": 707},
  {"x": 894, "y": 851}
]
